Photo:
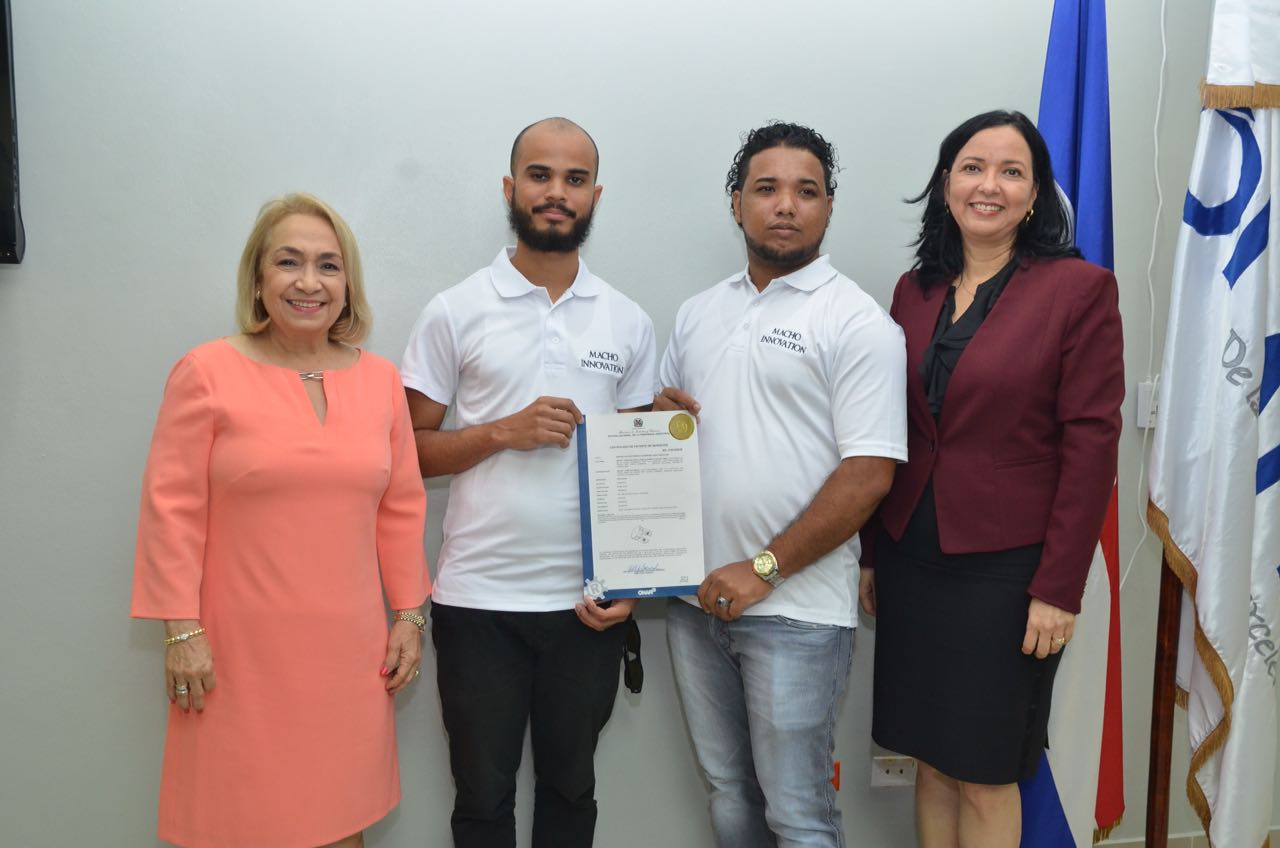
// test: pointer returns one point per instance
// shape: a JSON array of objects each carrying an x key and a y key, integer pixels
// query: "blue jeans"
[{"x": 760, "y": 696}]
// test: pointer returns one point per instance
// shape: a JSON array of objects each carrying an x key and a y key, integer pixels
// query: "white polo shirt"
[
  {"x": 791, "y": 380},
  {"x": 490, "y": 346}
]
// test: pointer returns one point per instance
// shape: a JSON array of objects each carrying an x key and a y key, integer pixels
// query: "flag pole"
[{"x": 1163, "y": 691}]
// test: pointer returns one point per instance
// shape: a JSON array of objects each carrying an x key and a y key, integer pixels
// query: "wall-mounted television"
[{"x": 13, "y": 239}]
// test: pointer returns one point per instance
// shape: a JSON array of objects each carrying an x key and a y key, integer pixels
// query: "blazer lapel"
[
  {"x": 918, "y": 321},
  {"x": 1009, "y": 307}
]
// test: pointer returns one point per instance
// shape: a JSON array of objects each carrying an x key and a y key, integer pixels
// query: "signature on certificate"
[{"x": 642, "y": 568}]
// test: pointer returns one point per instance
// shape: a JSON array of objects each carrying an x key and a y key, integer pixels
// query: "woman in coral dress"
[{"x": 281, "y": 502}]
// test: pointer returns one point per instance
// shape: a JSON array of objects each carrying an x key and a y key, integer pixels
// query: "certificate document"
[{"x": 641, "y": 504}]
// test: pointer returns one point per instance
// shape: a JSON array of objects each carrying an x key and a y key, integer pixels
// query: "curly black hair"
[
  {"x": 939, "y": 246},
  {"x": 780, "y": 134}
]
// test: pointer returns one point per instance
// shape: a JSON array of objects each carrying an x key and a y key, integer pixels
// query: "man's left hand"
[
  {"x": 602, "y": 617},
  {"x": 738, "y": 584}
]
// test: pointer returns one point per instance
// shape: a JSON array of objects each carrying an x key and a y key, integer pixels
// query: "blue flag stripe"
[
  {"x": 1250, "y": 245},
  {"x": 1074, "y": 119},
  {"x": 1270, "y": 371},
  {"x": 1223, "y": 219},
  {"x": 1040, "y": 804},
  {"x": 1268, "y": 469}
]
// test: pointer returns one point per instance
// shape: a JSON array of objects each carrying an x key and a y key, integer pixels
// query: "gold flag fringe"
[
  {"x": 1221, "y": 679},
  {"x": 1101, "y": 833},
  {"x": 1257, "y": 96}
]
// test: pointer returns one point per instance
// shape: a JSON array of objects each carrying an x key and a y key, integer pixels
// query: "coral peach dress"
[{"x": 280, "y": 534}]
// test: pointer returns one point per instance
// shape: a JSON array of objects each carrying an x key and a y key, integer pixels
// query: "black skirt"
[{"x": 952, "y": 686}]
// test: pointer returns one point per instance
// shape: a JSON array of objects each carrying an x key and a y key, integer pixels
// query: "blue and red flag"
[{"x": 1077, "y": 795}]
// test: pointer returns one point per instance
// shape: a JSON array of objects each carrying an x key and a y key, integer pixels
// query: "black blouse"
[
  {"x": 949, "y": 341},
  {"x": 951, "y": 338}
]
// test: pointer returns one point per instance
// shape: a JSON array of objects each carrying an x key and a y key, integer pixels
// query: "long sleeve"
[
  {"x": 402, "y": 513},
  {"x": 173, "y": 519},
  {"x": 1090, "y": 392}
]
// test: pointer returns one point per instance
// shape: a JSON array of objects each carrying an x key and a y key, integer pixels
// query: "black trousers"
[{"x": 499, "y": 672}]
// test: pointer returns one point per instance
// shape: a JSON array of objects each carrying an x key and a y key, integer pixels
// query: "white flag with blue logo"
[{"x": 1215, "y": 473}]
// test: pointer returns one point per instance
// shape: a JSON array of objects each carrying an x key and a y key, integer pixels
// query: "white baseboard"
[{"x": 1177, "y": 840}]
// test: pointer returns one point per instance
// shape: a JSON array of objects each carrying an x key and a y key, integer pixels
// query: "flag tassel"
[{"x": 1101, "y": 833}]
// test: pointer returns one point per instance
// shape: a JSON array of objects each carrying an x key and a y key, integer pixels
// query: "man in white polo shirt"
[
  {"x": 521, "y": 349},
  {"x": 797, "y": 376}
]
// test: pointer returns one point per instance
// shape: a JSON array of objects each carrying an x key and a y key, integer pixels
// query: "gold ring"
[{"x": 1059, "y": 641}]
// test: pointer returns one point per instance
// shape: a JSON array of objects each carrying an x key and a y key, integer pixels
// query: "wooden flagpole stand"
[{"x": 1163, "y": 693}]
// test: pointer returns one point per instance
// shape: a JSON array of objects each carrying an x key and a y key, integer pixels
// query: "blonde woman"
[{"x": 281, "y": 504}]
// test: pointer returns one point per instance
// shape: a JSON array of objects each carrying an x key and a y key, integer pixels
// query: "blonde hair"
[{"x": 353, "y": 325}]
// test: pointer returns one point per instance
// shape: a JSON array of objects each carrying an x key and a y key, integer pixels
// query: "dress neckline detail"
[{"x": 317, "y": 375}]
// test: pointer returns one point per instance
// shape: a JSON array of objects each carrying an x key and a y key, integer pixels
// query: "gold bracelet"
[
  {"x": 413, "y": 618},
  {"x": 182, "y": 637}
]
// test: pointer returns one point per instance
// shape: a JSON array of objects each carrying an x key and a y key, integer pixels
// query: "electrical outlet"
[
  {"x": 1148, "y": 404},
  {"x": 893, "y": 771}
]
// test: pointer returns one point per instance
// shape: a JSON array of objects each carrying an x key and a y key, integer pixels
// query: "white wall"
[{"x": 151, "y": 130}]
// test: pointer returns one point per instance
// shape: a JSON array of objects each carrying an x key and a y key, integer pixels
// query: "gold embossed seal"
[{"x": 681, "y": 426}]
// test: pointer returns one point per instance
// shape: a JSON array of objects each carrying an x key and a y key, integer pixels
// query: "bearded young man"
[
  {"x": 797, "y": 377},
  {"x": 516, "y": 349}
]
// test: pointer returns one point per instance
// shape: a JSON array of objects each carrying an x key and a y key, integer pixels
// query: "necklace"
[{"x": 318, "y": 376}]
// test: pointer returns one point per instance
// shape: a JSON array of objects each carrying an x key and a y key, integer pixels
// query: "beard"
[
  {"x": 796, "y": 257},
  {"x": 549, "y": 241}
]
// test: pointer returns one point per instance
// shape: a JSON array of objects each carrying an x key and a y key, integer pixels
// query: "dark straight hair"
[{"x": 940, "y": 247}]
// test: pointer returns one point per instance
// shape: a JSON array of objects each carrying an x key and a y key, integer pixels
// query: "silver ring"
[
  {"x": 181, "y": 690},
  {"x": 722, "y": 601}
]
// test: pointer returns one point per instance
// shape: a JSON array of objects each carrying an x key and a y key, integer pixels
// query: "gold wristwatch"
[{"x": 765, "y": 565}]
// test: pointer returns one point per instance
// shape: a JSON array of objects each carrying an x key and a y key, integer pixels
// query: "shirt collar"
[
  {"x": 812, "y": 276},
  {"x": 509, "y": 282}
]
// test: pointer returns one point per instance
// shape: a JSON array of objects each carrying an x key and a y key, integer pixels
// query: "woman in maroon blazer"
[{"x": 981, "y": 549}]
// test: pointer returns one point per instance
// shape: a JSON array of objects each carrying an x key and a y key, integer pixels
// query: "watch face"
[{"x": 763, "y": 565}]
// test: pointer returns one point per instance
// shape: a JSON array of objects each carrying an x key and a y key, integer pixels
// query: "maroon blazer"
[{"x": 1025, "y": 447}]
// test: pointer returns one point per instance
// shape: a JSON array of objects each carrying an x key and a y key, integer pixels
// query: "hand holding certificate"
[{"x": 641, "y": 504}]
